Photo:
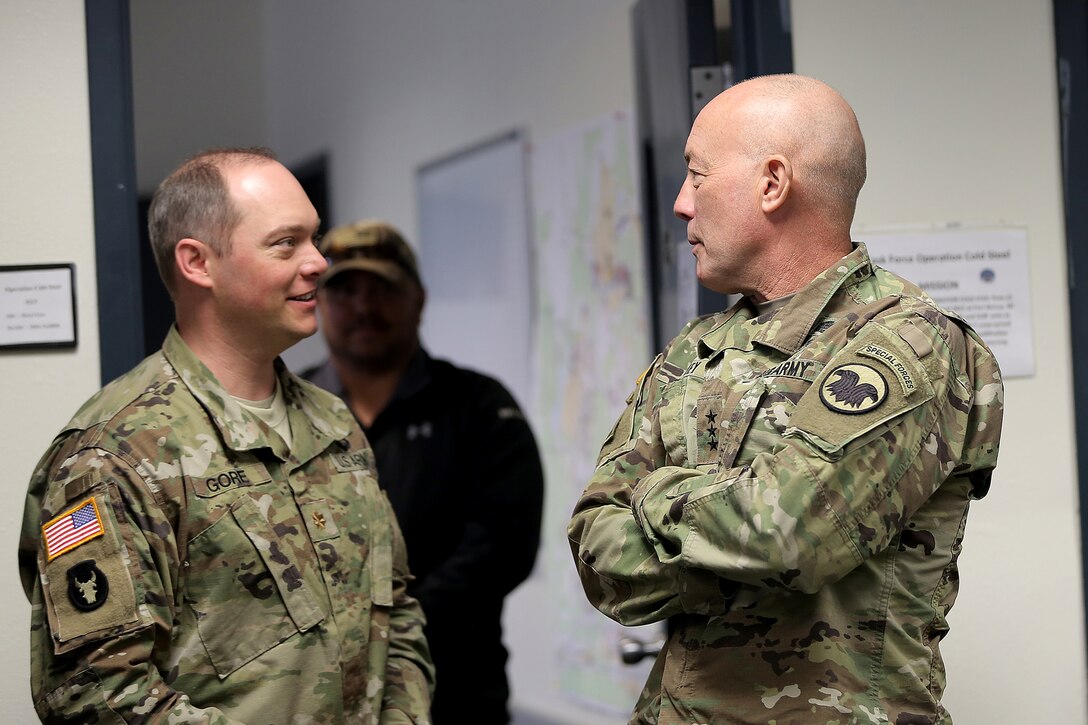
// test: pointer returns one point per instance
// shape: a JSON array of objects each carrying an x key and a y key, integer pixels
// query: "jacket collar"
[
  {"x": 314, "y": 423},
  {"x": 787, "y": 328}
]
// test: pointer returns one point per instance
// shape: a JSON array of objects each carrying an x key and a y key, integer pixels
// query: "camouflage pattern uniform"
[
  {"x": 233, "y": 581},
  {"x": 790, "y": 491}
]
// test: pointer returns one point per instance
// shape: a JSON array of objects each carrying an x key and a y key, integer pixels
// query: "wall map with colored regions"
[{"x": 592, "y": 339}]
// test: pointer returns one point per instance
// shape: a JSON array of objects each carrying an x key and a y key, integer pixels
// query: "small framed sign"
[{"x": 37, "y": 306}]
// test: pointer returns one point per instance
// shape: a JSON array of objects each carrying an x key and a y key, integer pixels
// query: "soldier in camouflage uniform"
[
  {"x": 789, "y": 484},
  {"x": 205, "y": 541}
]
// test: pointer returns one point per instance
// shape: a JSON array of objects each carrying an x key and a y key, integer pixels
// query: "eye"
[{"x": 285, "y": 242}]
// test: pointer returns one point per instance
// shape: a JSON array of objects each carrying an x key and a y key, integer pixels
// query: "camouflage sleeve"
[
  {"x": 101, "y": 603},
  {"x": 653, "y": 540},
  {"x": 842, "y": 483},
  {"x": 409, "y": 674},
  {"x": 622, "y": 572}
]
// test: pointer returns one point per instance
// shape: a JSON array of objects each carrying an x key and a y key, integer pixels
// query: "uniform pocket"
[
  {"x": 246, "y": 593},
  {"x": 82, "y": 693}
]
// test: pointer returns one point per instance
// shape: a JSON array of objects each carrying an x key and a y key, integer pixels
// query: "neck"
[
  {"x": 244, "y": 373},
  {"x": 368, "y": 387},
  {"x": 790, "y": 270}
]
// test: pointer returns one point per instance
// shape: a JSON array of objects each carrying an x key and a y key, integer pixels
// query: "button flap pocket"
[{"x": 303, "y": 608}]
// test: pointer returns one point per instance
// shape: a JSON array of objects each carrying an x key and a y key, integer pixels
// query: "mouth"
[{"x": 306, "y": 297}]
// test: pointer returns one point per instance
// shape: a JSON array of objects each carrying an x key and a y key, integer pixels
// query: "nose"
[
  {"x": 315, "y": 263},
  {"x": 684, "y": 206}
]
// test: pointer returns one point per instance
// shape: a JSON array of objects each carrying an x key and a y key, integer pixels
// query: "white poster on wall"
[{"x": 980, "y": 274}]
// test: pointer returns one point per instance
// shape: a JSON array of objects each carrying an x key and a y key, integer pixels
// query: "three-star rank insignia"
[
  {"x": 712, "y": 429},
  {"x": 854, "y": 389},
  {"x": 88, "y": 586}
]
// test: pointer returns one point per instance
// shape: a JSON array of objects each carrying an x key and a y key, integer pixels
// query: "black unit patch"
[
  {"x": 854, "y": 389},
  {"x": 88, "y": 586}
]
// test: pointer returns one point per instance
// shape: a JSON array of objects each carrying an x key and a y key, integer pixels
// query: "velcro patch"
[
  {"x": 854, "y": 389},
  {"x": 806, "y": 370},
  {"x": 892, "y": 361},
  {"x": 74, "y": 527},
  {"x": 88, "y": 586},
  {"x": 219, "y": 482},
  {"x": 346, "y": 462},
  {"x": 89, "y": 592},
  {"x": 853, "y": 395},
  {"x": 918, "y": 340}
]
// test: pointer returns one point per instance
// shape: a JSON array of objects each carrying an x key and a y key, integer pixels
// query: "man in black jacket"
[{"x": 454, "y": 453}]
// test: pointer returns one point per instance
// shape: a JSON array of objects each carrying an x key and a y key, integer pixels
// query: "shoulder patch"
[
  {"x": 854, "y": 389},
  {"x": 74, "y": 527},
  {"x": 89, "y": 589},
  {"x": 874, "y": 379},
  {"x": 88, "y": 586},
  {"x": 897, "y": 366}
]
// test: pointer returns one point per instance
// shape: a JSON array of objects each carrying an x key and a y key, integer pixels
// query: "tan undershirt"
[{"x": 272, "y": 411}]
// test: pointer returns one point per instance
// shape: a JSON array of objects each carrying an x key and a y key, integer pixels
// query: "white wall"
[
  {"x": 197, "y": 81},
  {"x": 388, "y": 86},
  {"x": 46, "y": 205},
  {"x": 958, "y": 104}
]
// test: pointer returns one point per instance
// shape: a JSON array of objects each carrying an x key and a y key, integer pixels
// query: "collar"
[
  {"x": 787, "y": 328},
  {"x": 314, "y": 424},
  {"x": 416, "y": 375}
]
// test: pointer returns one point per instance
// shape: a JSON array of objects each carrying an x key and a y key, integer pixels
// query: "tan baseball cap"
[{"x": 370, "y": 245}]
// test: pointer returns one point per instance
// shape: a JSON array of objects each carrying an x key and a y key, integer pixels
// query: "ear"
[
  {"x": 422, "y": 299},
  {"x": 775, "y": 183},
  {"x": 195, "y": 262}
]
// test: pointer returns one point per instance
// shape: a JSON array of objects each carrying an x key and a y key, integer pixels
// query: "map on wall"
[{"x": 591, "y": 341}]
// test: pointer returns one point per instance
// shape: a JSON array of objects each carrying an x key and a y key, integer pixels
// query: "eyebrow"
[{"x": 294, "y": 229}]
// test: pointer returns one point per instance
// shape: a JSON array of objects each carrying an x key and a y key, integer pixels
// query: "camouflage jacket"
[
  {"x": 183, "y": 566},
  {"x": 790, "y": 491}
]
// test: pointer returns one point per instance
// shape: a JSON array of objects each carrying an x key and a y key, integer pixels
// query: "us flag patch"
[{"x": 72, "y": 528}]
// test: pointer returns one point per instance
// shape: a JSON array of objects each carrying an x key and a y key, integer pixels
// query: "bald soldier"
[
  {"x": 789, "y": 484},
  {"x": 205, "y": 541}
]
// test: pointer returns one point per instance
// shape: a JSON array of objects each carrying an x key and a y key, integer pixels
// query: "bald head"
[
  {"x": 809, "y": 123},
  {"x": 775, "y": 165}
]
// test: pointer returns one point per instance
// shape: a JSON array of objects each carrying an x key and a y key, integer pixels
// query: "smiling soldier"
[{"x": 205, "y": 541}]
